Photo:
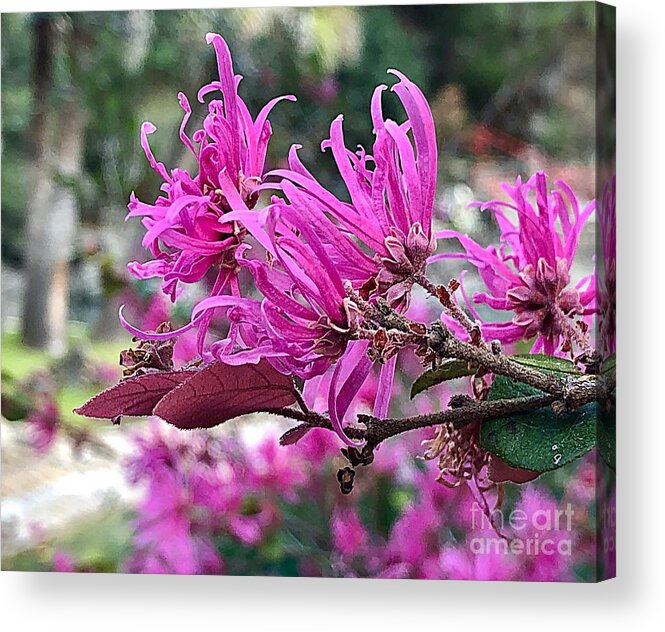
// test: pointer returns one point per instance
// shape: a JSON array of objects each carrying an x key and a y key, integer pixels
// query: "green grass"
[
  {"x": 71, "y": 397},
  {"x": 19, "y": 361},
  {"x": 98, "y": 544}
]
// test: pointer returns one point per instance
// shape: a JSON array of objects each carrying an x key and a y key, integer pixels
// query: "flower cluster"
[
  {"x": 391, "y": 191},
  {"x": 309, "y": 253},
  {"x": 42, "y": 425},
  {"x": 311, "y": 302},
  {"x": 197, "y": 489},
  {"x": 212, "y": 505},
  {"x": 299, "y": 274}
]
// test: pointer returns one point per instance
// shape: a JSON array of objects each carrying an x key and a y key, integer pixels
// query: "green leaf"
[
  {"x": 609, "y": 364},
  {"x": 546, "y": 363},
  {"x": 448, "y": 370},
  {"x": 607, "y": 436},
  {"x": 538, "y": 440}
]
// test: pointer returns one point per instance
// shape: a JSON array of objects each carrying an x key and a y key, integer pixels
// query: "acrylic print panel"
[{"x": 360, "y": 321}]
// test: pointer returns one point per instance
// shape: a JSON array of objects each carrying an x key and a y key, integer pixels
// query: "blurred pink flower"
[
  {"x": 63, "y": 562},
  {"x": 274, "y": 470},
  {"x": 315, "y": 447},
  {"x": 547, "y": 524},
  {"x": 157, "y": 312},
  {"x": 43, "y": 424},
  {"x": 460, "y": 563},
  {"x": 349, "y": 536},
  {"x": 166, "y": 529},
  {"x": 200, "y": 488},
  {"x": 414, "y": 537},
  {"x": 152, "y": 452}
]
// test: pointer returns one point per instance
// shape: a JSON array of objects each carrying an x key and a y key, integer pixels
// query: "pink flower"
[
  {"x": 274, "y": 470},
  {"x": 305, "y": 321},
  {"x": 458, "y": 563},
  {"x": 549, "y": 529},
  {"x": 63, "y": 562},
  {"x": 301, "y": 324},
  {"x": 179, "y": 513},
  {"x": 415, "y": 535},
  {"x": 43, "y": 424},
  {"x": 348, "y": 532},
  {"x": 183, "y": 231},
  {"x": 316, "y": 447},
  {"x": 400, "y": 570},
  {"x": 153, "y": 452},
  {"x": 392, "y": 191},
  {"x": 174, "y": 526},
  {"x": 529, "y": 274},
  {"x": 202, "y": 489},
  {"x": 165, "y": 528}
]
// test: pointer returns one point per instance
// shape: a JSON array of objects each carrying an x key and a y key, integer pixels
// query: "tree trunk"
[
  {"x": 52, "y": 206},
  {"x": 40, "y": 185}
]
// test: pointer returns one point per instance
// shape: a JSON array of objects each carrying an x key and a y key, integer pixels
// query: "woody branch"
[{"x": 562, "y": 393}]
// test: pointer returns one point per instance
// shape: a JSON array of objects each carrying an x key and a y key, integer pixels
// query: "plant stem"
[
  {"x": 562, "y": 393},
  {"x": 580, "y": 391},
  {"x": 445, "y": 345}
]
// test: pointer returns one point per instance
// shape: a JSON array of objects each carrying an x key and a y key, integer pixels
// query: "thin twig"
[
  {"x": 582, "y": 391},
  {"x": 444, "y": 344},
  {"x": 445, "y": 296},
  {"x": 562, "y": 393},
  {"x": 379, "y": 430}
]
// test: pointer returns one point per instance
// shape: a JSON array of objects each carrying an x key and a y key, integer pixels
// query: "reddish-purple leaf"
[
  {"x": 134, "y": 396},
  {"x": 501, "y": 472},
  {"x": 220, "y": 392},
  {"x": 294, "y": 434}
]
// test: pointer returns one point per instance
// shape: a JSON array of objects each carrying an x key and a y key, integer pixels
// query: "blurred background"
[{"x": 512, "y": 91}]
